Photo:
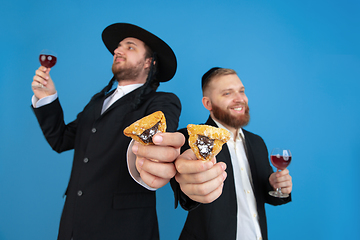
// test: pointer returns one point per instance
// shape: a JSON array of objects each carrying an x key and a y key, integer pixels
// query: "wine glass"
[
  {"x": 280, "y": 158},
  {"x": 47, "y": 59}
]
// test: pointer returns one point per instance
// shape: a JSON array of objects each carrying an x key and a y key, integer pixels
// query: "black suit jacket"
[
  {"x": 218, "y": 220},
  {"x": 102, "y": 200}
]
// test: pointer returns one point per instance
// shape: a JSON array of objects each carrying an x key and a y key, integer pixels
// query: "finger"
[
  {"x": 188, "y": 155},
  {"x": 213, "y": 160},
  {"x": 282, "y": 173},
  {"x": 174, "y": 139},
  {"x": 283, "y": 183},
  {"x": 42, "y": 72},
  {"x": 209, "y": 197},
  {"x": 202, "y": 177},
  {"x": 138, "y": 163},
  {"x": 153, "y": 181},
  {"x": 161, "y": 170},
  {"x": 41, "y": 76},
  {"x": 158, "y": 153},
  {"x": 187, "y": 163},
  {"x": 282, "y": 179},
  {"x": 285, "y": 189},
  {"x": 39, "y": 79},
  {"x": 203, "y": 189}
]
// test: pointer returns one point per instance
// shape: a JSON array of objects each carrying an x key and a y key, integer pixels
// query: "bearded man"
[
  {"x": 102, "y": 199},
  {"x": 234, "y": 200}
]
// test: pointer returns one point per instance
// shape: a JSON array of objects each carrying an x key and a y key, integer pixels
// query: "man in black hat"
[{"x": 102, "y": 200}]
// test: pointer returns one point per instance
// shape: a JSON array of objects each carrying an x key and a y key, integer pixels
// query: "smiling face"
[
  {"x": 131, "y": 62},
  {"x": 225, "y": 98}
]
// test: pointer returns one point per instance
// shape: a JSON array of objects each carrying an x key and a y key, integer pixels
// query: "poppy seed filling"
[
  {"x": 147, "y": 135},
  {"x": 205, "y": 145}
]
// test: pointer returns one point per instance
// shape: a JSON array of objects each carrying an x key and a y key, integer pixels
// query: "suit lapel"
[
  {"x": 98, "y": 104},
  {"x": 124, "y": 102},
  {"x": 252, "y": 161}
]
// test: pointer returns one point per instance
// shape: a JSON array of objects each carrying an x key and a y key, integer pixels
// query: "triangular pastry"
[
  {"x": 145, "y": 128},
  {"x": 206, "y": 141}
]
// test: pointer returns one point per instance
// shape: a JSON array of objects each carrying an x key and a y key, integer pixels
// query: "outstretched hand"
[
  {"x": 202, "y": 181},
  {"x": 155, "y": 163}
]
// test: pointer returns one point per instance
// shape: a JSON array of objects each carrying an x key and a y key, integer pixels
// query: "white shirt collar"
[
  {"x": 128, "y": 88},
  {"x": 231, "y": 134}
]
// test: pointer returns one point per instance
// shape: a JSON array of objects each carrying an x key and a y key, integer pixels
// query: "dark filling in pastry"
[
  {"x": 205, "y": 145},
  {"x": 147, "y": 135}
]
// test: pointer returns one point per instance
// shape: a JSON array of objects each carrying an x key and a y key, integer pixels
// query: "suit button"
[
  {"x": 93, "y": 130},
  {"x": 79, "y": 193},
  {"x": 86, "y": 160}
]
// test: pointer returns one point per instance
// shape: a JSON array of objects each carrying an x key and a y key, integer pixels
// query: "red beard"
[{"x": 226, "y": 118}]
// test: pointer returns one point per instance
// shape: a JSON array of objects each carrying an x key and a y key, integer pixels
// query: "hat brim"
[{"x": 166, "y": 58}]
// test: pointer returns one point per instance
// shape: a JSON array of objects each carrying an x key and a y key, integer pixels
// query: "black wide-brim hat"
[{"x": 166, "y": 58}]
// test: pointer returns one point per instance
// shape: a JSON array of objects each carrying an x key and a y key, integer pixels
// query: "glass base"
[{"x": 278, "y": 194}]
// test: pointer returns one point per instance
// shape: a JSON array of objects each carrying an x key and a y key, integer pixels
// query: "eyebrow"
[
  {"x": 232, "y": 89},
  {"x": 226, "y": 90},
  {"x": 128, "y": 43}
]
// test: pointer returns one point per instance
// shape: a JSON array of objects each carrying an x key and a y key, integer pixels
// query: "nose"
[
  {"x": 240, "y": 98},
  {"x": 118, "y": 50}
]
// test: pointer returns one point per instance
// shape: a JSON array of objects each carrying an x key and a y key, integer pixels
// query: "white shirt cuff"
[
  {"x": 43, "y": 101},
  {"x": 131, "y": 158}
]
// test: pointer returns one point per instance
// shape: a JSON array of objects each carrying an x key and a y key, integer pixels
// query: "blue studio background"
[{"x": 299, "y": 62}]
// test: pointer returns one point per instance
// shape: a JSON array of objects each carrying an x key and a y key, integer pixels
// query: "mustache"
[{"x": 119, "y": 56}]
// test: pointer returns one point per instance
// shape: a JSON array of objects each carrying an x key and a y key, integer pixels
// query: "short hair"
[{"x": 212, "y": 73}]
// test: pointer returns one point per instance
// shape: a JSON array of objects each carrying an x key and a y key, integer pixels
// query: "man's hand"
[
  {"x": 202, "y": 181},
  {"x": 155, "y": 163},
  {"x": 281, "y": 180},
  {"x": 42, "y": 84}
]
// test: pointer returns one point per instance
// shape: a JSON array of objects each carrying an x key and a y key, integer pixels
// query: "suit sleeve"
[
  {"x": 170, "y": 105},
  {"x": 60, "y": 136}
]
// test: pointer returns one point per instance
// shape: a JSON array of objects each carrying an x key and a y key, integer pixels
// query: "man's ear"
[
  {"x": 207, "y": 103},
  {"x": 148, "y": 63}
]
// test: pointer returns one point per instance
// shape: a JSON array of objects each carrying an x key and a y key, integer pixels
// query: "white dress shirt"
[
  {"x": 248, "y": 226},
  {"x": 118, "y": 93}
]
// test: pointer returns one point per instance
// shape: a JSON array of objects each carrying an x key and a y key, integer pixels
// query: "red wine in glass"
[
  {"x": 47, "y": 59},
  {"x": 280, "y": 158},
  {"x": 280, "y": 162}
]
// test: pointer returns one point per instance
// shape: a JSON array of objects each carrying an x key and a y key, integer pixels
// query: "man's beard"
[
  {"x": 226, "y": 118},
  {"x": 127, "y": 72}
]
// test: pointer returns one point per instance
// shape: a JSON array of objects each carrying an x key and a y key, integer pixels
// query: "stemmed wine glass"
[
  {"x": 47, "y": 59},
  {"x": 280, "y": 158}
]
